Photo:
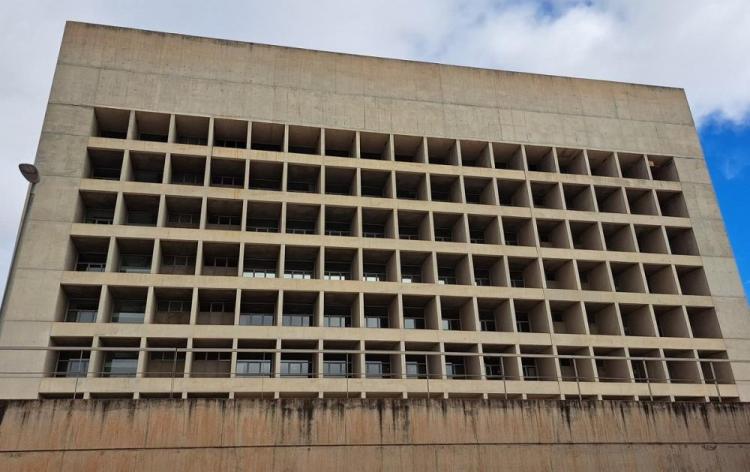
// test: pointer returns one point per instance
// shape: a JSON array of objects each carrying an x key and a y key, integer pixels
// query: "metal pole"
[
  {"x": 505, "y": 378},
  {"x": 716, "y": 381},
  {"x": 578, "y": 382},
  {"x": 427, "y": 371},
  {"x": 648, "y": 380},
  {"x": 11, "y": 269},
  {"x": 174, "y": 373}
]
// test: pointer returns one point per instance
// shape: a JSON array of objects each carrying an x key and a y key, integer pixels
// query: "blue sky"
[
  {"x": 699, "y": 45},
  {"x": 726, "y": 149}
]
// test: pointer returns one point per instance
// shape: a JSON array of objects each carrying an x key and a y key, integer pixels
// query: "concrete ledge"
[{"x": 372, "y": 435}]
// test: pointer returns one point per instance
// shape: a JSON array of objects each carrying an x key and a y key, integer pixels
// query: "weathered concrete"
[
  {"x": 106, "y": 71},
  {"x": 372, "y": 435}
]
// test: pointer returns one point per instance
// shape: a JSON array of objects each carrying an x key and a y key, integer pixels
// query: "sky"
[{"x": 699, "y": 45}]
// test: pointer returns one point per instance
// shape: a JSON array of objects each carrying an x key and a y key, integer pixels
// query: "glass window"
[
  {"x": 296, "y": 320},
  {"x": 413, "y": 323},
  {"x": 451, "y": 324},
  {"x": 256, "y": 319},
  {"x": 455, "y": 369},
  {"x": 128, "y": 311},
  {"x": 530, "y": 369},
  {"x": 493, "y": 368},
  {"x": 335, "y": 368},
  {"x": 121, "y": 364},
  {"x": 376, "y": 321},
  {"x": 522, "y": 323},
  {"x": 337, "y": 321},
  {"x": 295, "y": 368},
  {"x": 377, "y": 368},
  {"x": 416, "y": 369},
  {"x": 254, "y": 367}
]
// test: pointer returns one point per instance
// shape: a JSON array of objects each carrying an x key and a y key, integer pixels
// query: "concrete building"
[{"x": 224, "y": 219}]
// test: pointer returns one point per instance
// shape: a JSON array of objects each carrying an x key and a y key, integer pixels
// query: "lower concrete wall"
[{"x": 377, "y": 435}]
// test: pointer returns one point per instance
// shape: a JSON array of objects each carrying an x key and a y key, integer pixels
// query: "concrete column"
[
  {"x": 95, "y": 360},
  {"x": 172, "y": 133},
  {"x": 150, "y": 306},
  {"x": 161, "y": 215},
  {"x": 142, "y": 364},
  {"x": 126, "y": 169},
  {"x": 132, "y": 132},
  {"x": 194, "y": 306}
]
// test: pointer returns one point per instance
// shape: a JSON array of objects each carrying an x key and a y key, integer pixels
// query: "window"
[
  {"x": 99, "y": 216},
  {"x": 222, "y": 261},
  {"x": 335, "y": 368},
  {"x": 254, "y": 367},
  {"x": 487, "y": 322},
  {"x": 184, "y": 218},
  {"x": 377, "y": 369},
  {"x": 297, "y": 320},
  {"x": 178, "y": 261},
  {"x": 373, "y": 231},
  {"x": 300, "y": 227},
  {"x": 135, "y": 263},
  {"x": 121, "y": 364},
  {"x": 258, "y": 273},
  {"x": 81, "y": 311},
  {"x": 376, "y": 321},
  {"x": 374, "y": 273},
  {"x": 413, "y": 323},
  {"x": 476, "y": 237},
  {"x": 91, "y": 262},
  {"x": 220, "y": 307},
  {"x": 72, "y": 364},
  {"x": 482, "y": 277},
  {"x": 295, "y": 368},
  {"x": 256, "y": 319},
  {"x": 224, "y": 220},
  {"x": 337, "y": 271},
  {"x": 522, "y": 323},
  {"x": 530, "y": 370},
  {"x": 446, "y": 276},
  {"x": 337, "y": 321},
  {"x": 443, "y": 234},
  {"x": 493, "y": 368},
  {"x": 411, "y": 274},
  {"x": 416, "y": 369},
  {"x": 227, "y": 180},
  {"x": 144, "y": 218},
  {"x": 516, "y": 279},
  {"x": 185, "y": 178},
  {"x": 455, "y": 369},
  {"x": 174, "y": 306},
  {"x": 639, "y": 370},
  {"x": 451, "y": 324},
  {"x": 299, "y": 274},
  {"x": 128, "y": 311},
  {"x": 166, "y": 356}
]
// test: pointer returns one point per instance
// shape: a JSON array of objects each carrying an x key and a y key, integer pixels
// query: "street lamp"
[{"x": 31, "y": 174}]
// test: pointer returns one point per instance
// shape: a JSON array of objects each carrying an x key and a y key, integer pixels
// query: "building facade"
[{"x": 224, "y": 219}]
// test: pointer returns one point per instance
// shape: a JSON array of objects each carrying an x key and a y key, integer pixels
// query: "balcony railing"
[{"x": 73, "y": 362}]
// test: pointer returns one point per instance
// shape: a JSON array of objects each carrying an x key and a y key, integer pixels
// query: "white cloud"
[{"x": 701, "y": 45}]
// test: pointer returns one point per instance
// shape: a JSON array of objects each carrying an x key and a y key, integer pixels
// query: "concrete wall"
[
  {"x": 102, "y": 66},
  {"x": 372, "y": 435}
]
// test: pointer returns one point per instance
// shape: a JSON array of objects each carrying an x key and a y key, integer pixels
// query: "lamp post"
[{"x": 31, "y": 174}]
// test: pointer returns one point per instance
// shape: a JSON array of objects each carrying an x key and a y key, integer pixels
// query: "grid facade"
[{"x": 230, "y": 257}]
